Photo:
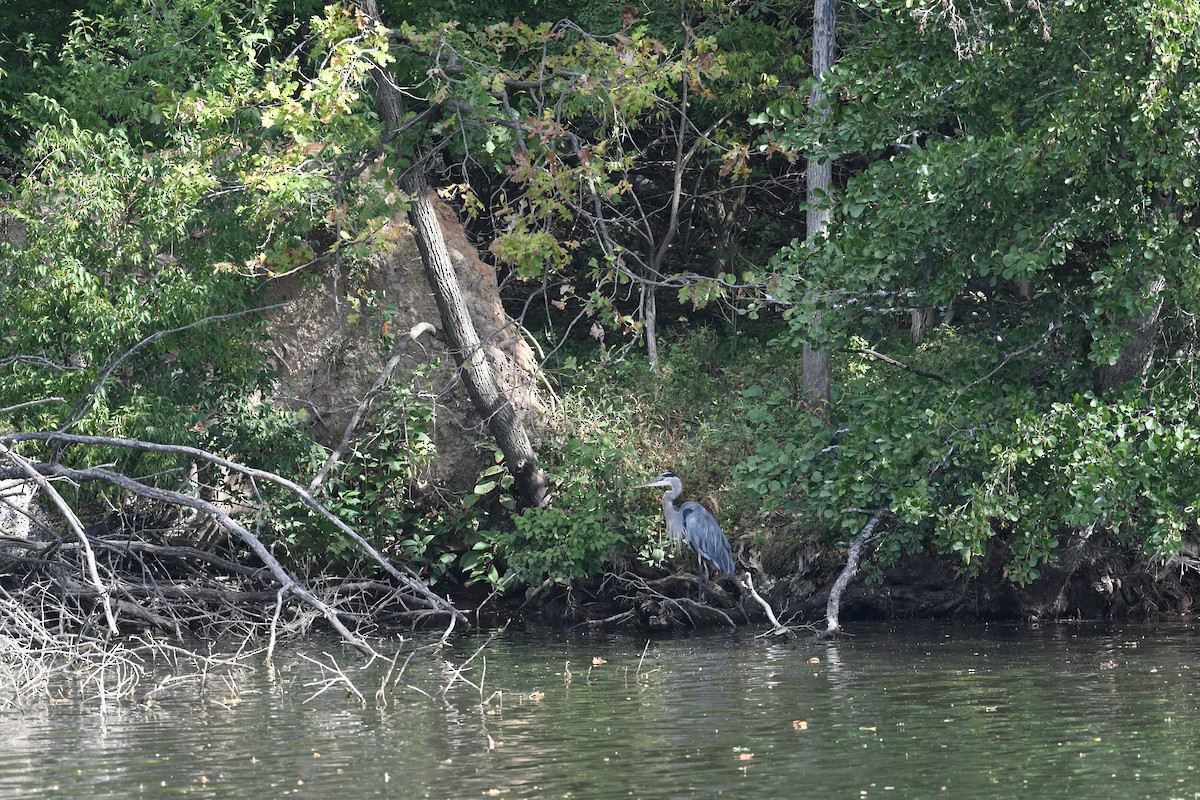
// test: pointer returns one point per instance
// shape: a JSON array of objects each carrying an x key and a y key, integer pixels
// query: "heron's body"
[{"x": 692, "y": 523}]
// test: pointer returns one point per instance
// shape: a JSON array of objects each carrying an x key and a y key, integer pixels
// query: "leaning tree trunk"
[
  {"x": 489, "y": 402},
  {"x": 495, "y": 408},
  {"x": 817, "y": 368},
  {"x": 833, "y": 606}
]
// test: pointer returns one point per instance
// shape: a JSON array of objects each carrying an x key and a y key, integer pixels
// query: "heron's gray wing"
[{"x": 703, "y": 533}]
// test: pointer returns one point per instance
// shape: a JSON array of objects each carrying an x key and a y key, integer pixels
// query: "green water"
[{"x": 917, "y": 711}]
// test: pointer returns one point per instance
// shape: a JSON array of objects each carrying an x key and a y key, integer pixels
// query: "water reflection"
[{"x": 892, "y": 711}]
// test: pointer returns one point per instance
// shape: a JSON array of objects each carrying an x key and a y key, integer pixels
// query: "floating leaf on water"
[
  {"x": 799, "y": 725},
  {"x": 597, "y": 661},
  {"x": 814, "y": 660},
  {"x": 745, "y": 756}
]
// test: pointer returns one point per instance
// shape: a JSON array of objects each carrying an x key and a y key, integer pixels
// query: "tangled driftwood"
[{"x": 158, "y": 571}]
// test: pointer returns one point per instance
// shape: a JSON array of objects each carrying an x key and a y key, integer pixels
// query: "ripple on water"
[{"x": 894, "y": 711}]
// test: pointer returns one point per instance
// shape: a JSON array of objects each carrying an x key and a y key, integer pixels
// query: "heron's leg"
[{"x": 702, "y": 572}]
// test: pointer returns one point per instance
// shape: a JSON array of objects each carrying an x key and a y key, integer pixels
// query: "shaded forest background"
[{"x": 216, "y": 275}]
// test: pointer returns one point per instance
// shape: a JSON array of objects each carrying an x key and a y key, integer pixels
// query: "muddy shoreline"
[{"x": 915, "y": 588}]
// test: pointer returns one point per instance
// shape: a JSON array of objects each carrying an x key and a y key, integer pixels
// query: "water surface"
[{"x": 918, "y": 711}]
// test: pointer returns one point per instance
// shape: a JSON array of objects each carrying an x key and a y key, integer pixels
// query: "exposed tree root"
[{"x": 633, "y": 601}]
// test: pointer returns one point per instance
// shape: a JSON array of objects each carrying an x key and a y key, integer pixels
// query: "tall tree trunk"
[
  {"x": 1138, "y": 354},
  {"x": 817, "y": 369},
  {"x": 650, "y": 319},
  {"x": 490, "y": 403},
  {"x": 921, "y": 320}
]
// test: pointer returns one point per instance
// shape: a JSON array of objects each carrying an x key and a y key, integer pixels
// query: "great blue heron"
[{"x": 693, "y": 524}]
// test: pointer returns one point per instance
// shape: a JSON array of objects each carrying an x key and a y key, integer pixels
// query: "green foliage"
[
  {"x": 157, "y": 185},
  {"x": 164, "y": 160},
  {"x": 569, "y": 135},
  {"x": 589, "y": 525},
  {"x": 628, "y": 425},
  {"x": 1122, "y": 466},
  {"x": 1027, "y": 148},
  {"x": 97, "y": 276},
  {"x": 1026, "y": 162},
  {"x": 993, "y": 458},
  {"x": 625, "y": 426},
  {"x": 375, "y": 488},
  {"x": 155, "y": 174}
]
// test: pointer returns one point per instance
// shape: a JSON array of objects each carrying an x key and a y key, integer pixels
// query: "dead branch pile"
[
  {"x": 170, "y": 560},
  {"x": 661, "y": 604}
]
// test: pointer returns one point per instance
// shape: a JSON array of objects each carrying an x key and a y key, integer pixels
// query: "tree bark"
[
  {"x": 650, "y": 318},
  {"x": 1137, "y": 355},
  {"x": 817, "y": 367},
  {"x": 833, "y": 606},
  {"x": 490, "y": 403},
  {"x": 920, "y": 320}
]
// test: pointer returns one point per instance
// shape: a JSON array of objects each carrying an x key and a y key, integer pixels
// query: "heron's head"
[{"x": 668, "y": 480}]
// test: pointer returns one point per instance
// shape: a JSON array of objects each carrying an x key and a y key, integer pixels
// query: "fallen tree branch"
[
  {"x": 285, "y": 580},
  {"x": 31, "y": 403},
  {"x": 180, "y": 552},
  {"x": 421, "y": 593},
  {"x": 74, "y": 524},
  {"x": 746, "y": 582},
  {"x": 641, "y": 590},
  {"x": 833, "y": 606}
]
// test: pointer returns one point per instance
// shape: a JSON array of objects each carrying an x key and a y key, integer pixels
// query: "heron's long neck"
[{"x": 674, "y": 518}]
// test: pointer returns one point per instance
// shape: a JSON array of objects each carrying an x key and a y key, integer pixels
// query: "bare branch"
[
  {"x": 31, "y": 403},
  {"x": 285, "y": 580},
  {"x": 89, "y": 396},
  {"x": 833, "y": 606},
  {"x": 866, "y": 351},
  {"x": 76, "y": 527},
  {"x": 406, "y": 578}
]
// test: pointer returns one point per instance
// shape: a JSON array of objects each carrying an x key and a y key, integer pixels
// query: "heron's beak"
[{"x": 652, "y": 485}]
